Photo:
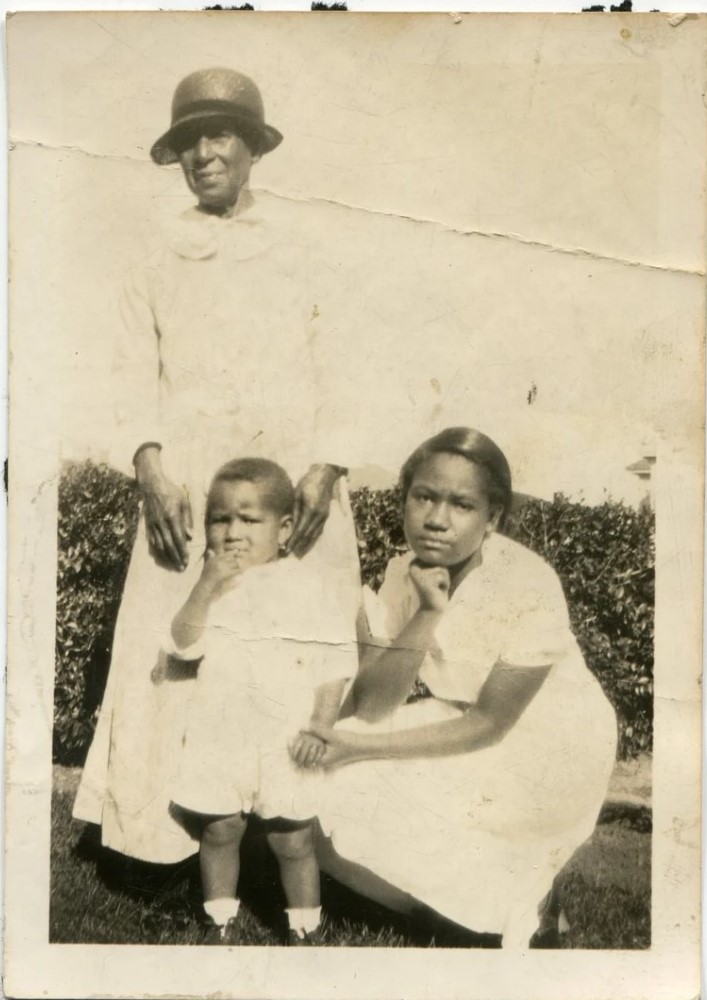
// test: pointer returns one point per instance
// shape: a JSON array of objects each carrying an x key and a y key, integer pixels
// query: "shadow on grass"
[
  {"x": 99, "y": 896},
  {"x": 171, "y": 895}
]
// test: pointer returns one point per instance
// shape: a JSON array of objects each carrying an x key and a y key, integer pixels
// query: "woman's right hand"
[
  {"x": 168, "y": 518},
  {"x": 432, "y": 584}
]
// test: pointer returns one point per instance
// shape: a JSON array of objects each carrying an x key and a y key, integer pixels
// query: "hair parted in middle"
[
  {"x": 277, "y": 491},
  {"x": 474, "y": 447}
]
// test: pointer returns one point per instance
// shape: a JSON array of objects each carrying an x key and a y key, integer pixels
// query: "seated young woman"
[{"x": 471, "y": 800}]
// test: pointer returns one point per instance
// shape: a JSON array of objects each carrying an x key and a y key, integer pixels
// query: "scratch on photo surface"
[{"x": 584, "y": 253}]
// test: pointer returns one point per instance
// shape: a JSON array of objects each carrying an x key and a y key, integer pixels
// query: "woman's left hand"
[
  {"x": 313, "y": 496},
  {"x": 342, "y": 747}
]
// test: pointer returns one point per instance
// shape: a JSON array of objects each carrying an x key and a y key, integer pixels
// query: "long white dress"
[
  {"x": 215, "y": 362},
  {"x": 479, "y": 837}
]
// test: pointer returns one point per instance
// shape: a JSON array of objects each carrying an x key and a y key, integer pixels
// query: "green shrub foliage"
[
  {"x": 604, "y": 556},
  {"x": 98, "y": 511}
]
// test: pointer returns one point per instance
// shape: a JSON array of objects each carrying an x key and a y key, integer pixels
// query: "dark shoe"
[
  {"x": 313, "y": 938},
  {"x": 222, "y": 933},
  {"x": 549, "y": 938}
]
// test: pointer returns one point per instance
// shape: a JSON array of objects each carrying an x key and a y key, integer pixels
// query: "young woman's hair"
[
  {"x": 474, "y": 447},
  {"x": 276, "y": 489}
]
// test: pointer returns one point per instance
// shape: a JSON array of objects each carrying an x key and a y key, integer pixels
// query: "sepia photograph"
[{"x": 356, "y": 504}]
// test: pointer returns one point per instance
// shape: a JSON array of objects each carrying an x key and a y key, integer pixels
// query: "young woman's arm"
[
  {"x": 503, "y": 699},
  {"x": 386, "y": 676}
]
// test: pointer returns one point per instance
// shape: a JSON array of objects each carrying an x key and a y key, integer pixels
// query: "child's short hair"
[
  {"x": 276, "y": 489},
  {"x": 474, "y": 447}
]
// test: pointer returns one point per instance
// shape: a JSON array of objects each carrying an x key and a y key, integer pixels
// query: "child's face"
[
  {"x": 447, "y": 512},
  {"x": 238, "y": 521}
]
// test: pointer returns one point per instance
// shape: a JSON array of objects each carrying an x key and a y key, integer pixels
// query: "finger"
[
  {"x": 296, "y": 521},
  {"x": 168, "y": 547},
  {"x": 310, "y": 755},
  {"x": 164, "y": 552},
  {"x": 187, "y": 519},
  {"x": 153, "y": 538},
  {"x": 324, "y": 733},
  {"x": 313, "y": 533},
  {"x": 177, "y": 537},
  {"x": 312, "y": 524}
]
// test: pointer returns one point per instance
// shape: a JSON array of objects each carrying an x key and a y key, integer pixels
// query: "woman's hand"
[
  {"x": 313, "y": 496},
  {"x": 168, "y": 519},
  {"x": 432, "y": 584},
  {"x": 342, "y": 746}
]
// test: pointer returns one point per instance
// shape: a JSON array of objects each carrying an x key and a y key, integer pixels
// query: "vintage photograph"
[{"x": 357, "y": 403}]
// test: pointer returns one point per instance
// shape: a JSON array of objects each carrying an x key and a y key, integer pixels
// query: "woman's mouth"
[
  {"x": 208, "y": 177},
  {"x": 432, "y": 544}
]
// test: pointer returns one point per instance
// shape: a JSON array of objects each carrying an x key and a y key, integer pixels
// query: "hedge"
[{"x": 604, "y": 556}]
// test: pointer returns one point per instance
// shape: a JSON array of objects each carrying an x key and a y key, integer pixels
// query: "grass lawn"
[{"x": 98, "y": 897}]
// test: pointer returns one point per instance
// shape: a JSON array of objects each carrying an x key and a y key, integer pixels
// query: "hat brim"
[{"x": 261, "y": 138}]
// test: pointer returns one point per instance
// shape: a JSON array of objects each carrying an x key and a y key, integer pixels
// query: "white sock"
[
  {"x": 222, "y": 910},
  {"x": 304, "y": 920}
]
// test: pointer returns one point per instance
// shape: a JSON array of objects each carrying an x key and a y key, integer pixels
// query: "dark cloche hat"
[{"x": 216, "y": 95}]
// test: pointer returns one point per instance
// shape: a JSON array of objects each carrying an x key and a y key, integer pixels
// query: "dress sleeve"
[
  {"x": 396, "y": 599},
  {"x": 136, "y": 372},
  {"x": 193, "y": 652},
  {"x": 539, "y": 633}
]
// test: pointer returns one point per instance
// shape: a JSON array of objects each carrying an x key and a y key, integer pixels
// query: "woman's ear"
[
  {"x": 493, "y": 521},
  {"x": 285, "y": 533}
]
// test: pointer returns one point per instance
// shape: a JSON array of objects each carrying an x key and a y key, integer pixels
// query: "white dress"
[
  {"x": 214, "y": 361},
  {"x": 269, "y": 644},
  {"x": 479, "y": 837}
]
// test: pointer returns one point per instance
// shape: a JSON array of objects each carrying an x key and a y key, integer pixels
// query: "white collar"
[{"x": 197, "y": 235}]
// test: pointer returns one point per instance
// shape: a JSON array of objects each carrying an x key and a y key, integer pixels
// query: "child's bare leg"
[
  {"x": 293, "y": 847},
  {"x": 219, "y": 859},
  {"x": 299, "y": 871}
]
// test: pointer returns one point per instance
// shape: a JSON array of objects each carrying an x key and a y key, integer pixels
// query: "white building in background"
[
  {"x": 644, "y": 471},
  {"x": 567, "y": 461}
]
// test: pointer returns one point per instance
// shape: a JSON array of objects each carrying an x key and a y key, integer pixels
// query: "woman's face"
[
  {"x": 216, "y": 166},
  {"x": 447, "y": 513}
]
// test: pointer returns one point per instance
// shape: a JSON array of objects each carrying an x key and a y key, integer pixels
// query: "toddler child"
[{"x": 275, "y": 663}]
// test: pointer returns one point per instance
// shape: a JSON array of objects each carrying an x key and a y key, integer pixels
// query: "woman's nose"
[
  {"x": 438, "y": 516},
  {"x": 203, "y": 151}
]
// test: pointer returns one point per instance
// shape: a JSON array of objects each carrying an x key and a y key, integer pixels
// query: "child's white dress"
[
  {"x": 269, "y": 643},
  {"x": 480, "y": 836}
]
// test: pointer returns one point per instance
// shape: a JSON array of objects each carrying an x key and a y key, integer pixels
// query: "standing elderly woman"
[
  {"x": 214, "y": 360},
  {"x": 473, "y": 799}
]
